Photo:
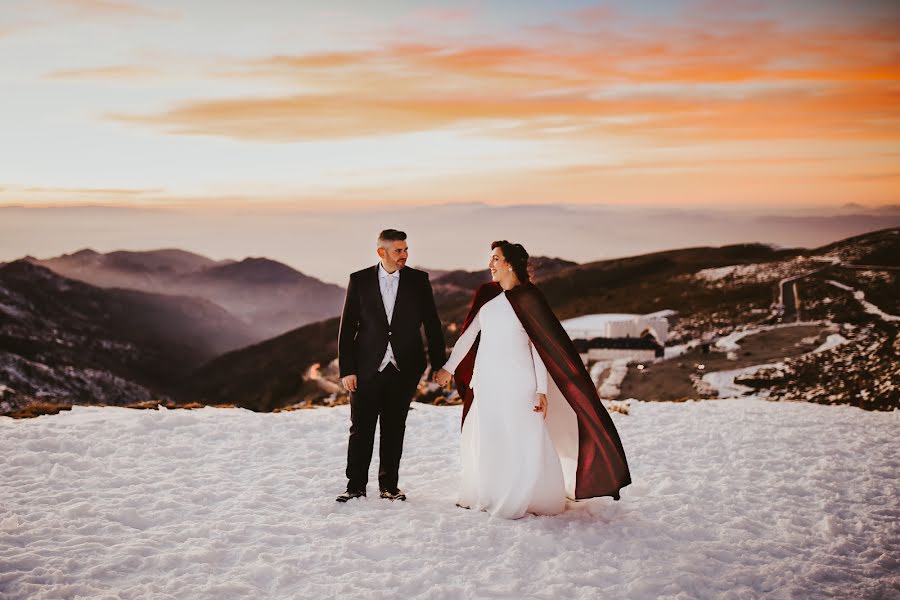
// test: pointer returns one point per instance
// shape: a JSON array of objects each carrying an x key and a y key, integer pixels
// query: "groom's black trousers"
[{"x": 385, "y": 396}]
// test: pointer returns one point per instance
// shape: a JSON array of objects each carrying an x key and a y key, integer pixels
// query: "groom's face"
[{"x": 394, "y": 255}]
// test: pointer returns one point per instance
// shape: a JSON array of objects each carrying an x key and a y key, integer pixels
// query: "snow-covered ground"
[
  {"x": 832, "y": 341},
  {"x": 729, "y": 343},
  {"x": 612, "y": 386},
  {"x": 732, "y": 275},
  {"x": 867, "y": 306},
  {"x": 723, "y": 381},
  {"x": 679, "y": 349},
  {"x": 731, "y": 499}
]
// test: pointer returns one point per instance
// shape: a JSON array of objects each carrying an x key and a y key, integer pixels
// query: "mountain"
[
  {"x": 275, "y": 373},
  {"x": 876, "y": 248},
  {"x": 664, "y": 280},
  {"x": 269, "y": 296},
  {"x": 71, "y": 342},
  {"x": 453, "y": 289},
  {"x": 641, "y": 284},
  {"x": 270, "y": 374},
  {"x": 127, "y": 269},
  {"x": 541, "y": 267},
  {"x": 714, "y": 290}
]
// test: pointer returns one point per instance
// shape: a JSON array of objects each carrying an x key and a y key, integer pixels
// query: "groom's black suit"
[{"x": 362, "y": 342}]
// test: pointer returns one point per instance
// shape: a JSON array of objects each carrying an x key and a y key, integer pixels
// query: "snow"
[
  {"x": 729, "y": 343},
  {"x": 612, "y": 387},
  {"x": 754, "y": 272},
  {"x": 718, "y": 273},
  {"x": 832, "y": 341},
  {"x": 12, "y": 311},
  {"x": 723, "y": 381},
  {"x": 597, "y": 370},
  {"x": 731, "y": 499},
  {"x": 867, "y": 306},
  {"x": 618, "y": 325},
  {"x": 833, "y": 259},
  {"x": 677, "y": 350}
]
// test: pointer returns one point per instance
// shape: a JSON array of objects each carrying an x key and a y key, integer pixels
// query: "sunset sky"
[{"x": 341, "y": 104}]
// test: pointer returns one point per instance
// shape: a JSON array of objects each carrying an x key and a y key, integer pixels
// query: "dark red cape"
[{"x": 602, "y": 469}]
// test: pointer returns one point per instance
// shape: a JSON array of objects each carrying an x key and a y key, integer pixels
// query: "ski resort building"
[{"x": 603, "y": 337}]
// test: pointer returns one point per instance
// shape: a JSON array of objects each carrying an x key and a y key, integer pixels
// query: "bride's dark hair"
[{"x": 516, "y": 256}]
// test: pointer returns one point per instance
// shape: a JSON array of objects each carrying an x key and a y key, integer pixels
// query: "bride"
[{"x": 534, "y": 431}]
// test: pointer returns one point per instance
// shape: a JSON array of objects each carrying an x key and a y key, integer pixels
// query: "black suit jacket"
[{"x": 365, "y": 332}]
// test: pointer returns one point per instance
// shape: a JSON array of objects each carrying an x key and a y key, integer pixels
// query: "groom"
[{"x": 382, "y": 359}]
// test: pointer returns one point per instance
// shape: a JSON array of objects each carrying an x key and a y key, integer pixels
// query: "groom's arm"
[
  {"x": 347, "y": 332},
  {"x": 434, "y": 332}
]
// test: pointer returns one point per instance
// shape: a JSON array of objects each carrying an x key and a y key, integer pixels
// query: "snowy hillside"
[{"x": 731, "y": 499}]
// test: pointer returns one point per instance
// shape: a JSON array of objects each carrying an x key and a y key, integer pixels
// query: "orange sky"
[{"x": 678, "y": 103}]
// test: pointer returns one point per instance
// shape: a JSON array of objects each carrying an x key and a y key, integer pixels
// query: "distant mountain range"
[
  {"x": 65, "y": 340},
  {"x": 269, "y": 296},
  {"x": 271, "y": 373},
  {"x": 70, "y": 342},
  {"x": 639, "y": 284}
]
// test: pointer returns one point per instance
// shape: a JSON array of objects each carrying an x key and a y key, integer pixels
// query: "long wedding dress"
[{"x": 510, "y": 465}]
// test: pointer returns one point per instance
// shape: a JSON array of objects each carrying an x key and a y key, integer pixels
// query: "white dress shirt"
[{"x": 388, "y": 282}]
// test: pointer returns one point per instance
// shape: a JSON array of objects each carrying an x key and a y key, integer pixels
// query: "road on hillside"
[{"x": 788, "y": 292}]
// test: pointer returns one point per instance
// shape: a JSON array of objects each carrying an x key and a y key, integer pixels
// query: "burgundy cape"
[{"x": 596, "y": 461}]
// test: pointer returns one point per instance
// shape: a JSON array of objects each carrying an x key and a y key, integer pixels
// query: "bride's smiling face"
[{"x": 498, "y": 265}]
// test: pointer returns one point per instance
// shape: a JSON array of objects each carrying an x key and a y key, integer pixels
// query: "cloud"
[
  {"x": 743, "y": 80},
  {"x": 442, "y": 15},
  {"x": 106, "y": 72},
  {"x": 30, "y": 195},
  {"x": 92, "y": 191},
  {"x": 111, "y": 8}
]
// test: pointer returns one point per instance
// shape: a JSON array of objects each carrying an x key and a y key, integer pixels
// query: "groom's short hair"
[{"x": 390, "y": 235}]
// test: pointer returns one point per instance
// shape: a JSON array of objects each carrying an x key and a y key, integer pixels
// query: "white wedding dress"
[{"x": 510, "y": 465}]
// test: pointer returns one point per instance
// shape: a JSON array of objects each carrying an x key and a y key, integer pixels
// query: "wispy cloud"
[
  {"x": 106, "y": 72},
  {"x": 112, "y": 8},
  {"x": 442, "y": 15},
  {"x": 93, "y": 191},
  {"x": 29, "y": 195},
  {"x": 745, "y": 80}
]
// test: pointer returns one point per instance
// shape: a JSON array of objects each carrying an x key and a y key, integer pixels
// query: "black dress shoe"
[
  {"x": 393, "y": 495},
  {"x": 350, "y": 495}
]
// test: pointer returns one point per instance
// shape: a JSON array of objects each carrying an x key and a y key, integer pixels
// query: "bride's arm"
[
  {"x": 463, "y": 345},
  {"x": 540, "y": 370}
]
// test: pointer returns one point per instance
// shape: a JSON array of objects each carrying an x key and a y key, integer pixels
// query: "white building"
[
  {"x": 618, "y": 325},
  {"x": 610, "y": 336}
]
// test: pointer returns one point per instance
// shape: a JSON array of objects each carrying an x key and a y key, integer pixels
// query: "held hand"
[
  {"x": 541, "y": 406},
  {"x": 442, "y": 377},
  {"x": 349, "y": 383}
]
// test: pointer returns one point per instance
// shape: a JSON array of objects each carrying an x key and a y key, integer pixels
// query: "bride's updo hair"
[{"x": 516, "y": 256}]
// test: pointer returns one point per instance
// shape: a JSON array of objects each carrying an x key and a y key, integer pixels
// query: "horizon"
[{"x": 324, "y": 245}]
